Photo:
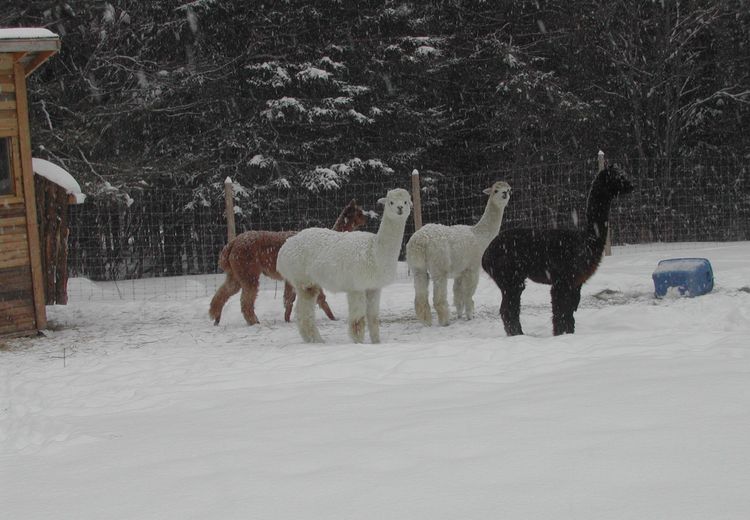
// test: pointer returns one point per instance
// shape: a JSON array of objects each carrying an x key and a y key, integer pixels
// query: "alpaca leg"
[
  {"x": 440, "y": 299},
  {"x": 323, "y": 304},
  {"x": 421, "y": 302},
  {"x": 510, "y": 308},
  {"x": 357, "y": 311},
  {"x": 372, "y": 297},
  {"x": 247, "y": 300},
  {"x": 564, "y": 303},
  {"x": 305, "y": 314},
  {"x": 229, "y": 288},
  {"x": 471, "y": 280},
  {"x": 576, "y": 299},
  {"x": 289, "y": 296},
  {"x": 458, "y": 294}
]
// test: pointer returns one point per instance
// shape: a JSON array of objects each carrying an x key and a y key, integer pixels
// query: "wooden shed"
[
  {"x": 21, "y": 280},
  {"x": 56, "y": 190}
]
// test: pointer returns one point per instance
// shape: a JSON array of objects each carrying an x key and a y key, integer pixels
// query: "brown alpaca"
[{"x": 253, "y": 253}]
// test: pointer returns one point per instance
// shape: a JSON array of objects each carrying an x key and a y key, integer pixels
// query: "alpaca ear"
[
  {"x": 382, "y": 201},
  {"x": 487, "y": 191},
  {"x": 352, "y": 203}
]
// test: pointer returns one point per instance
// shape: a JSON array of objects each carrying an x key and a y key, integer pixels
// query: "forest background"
[
  {"x": 265, "y": 91},
  {"x": 304, "y": 96}
]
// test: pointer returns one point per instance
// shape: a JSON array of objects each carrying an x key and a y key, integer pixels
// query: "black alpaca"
[{"x": 562, "y": 258}]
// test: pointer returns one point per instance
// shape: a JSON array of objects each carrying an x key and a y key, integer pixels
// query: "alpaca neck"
[
  {"x": 597, "y": 218},
  {"x": 387, "y": 243},
  {"x": 489, "y": 225},
  {"x": 341, "y": 224}
]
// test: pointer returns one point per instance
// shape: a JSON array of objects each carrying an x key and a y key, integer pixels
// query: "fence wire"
[{"x": 165, "y": 241}]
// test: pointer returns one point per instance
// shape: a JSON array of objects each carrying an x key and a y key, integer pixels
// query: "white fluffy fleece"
[
  {"x": 444, "y": 252},
  {"x": 357, "y": 263}
]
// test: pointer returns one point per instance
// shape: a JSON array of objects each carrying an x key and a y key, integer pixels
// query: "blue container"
[{"x": 690, "y": 276}]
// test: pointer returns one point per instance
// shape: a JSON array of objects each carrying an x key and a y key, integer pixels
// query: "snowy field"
[{"x": 142, "y": 409}]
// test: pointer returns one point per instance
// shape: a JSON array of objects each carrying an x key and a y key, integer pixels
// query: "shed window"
[{"x": 6, "y": 172}]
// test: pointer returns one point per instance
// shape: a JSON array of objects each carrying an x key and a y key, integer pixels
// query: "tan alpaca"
[{"x": 253, "y": 253}]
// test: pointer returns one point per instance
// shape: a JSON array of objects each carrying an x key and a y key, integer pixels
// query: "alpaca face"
[
  {"x": 353, "y": 216},
  {"x": 397, "y": 204},
  {"x": 499, "y": 193},
  {"x": 616, "y": 180}
]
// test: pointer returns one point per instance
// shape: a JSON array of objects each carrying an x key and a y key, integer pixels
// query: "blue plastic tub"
[{"x": 687, "y": 277}]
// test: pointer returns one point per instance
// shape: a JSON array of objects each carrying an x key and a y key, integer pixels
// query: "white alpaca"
[
  {"x": 357, "y": 263},
  {"x": 443, "y": 252}
]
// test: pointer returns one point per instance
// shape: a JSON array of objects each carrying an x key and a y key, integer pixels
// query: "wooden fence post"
[
  {"x": 608, "y": 242},
  {"x": 229, "y": 203},
  {"x": 416, "y": 197}
]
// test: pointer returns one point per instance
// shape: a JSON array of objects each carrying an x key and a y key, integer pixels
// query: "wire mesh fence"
[{"x": 165, "y": 241}]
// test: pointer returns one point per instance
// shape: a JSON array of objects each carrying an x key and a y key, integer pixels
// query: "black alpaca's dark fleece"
[{"x": 562, "y": 258}]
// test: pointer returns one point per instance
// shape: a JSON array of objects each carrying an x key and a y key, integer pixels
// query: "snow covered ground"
[{"x": 142, "y": 409}]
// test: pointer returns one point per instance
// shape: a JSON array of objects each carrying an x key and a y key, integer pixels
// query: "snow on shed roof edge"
[
  {"x": 59, "y": 176},
  {"x": 25, "y": 33}
]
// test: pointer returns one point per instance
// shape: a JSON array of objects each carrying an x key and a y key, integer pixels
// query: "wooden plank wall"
[
  {"x": 8, "y": 120},
  {"x": 17, "y": 310},
  {"x": 52, "y": 214}
]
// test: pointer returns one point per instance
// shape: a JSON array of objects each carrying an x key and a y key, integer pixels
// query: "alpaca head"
[
  {"x": 614, "y": 181},
  {"x": 397, "y": 204},
  {"x": 499, "y": 193},
  {"x": 352, "y": 217}
]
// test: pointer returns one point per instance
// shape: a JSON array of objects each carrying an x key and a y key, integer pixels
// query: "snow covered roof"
[
  {"x": 26, "y": 33},
  {"x": 55, "y": 174},
  {"x": 31, "y": 46}
]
